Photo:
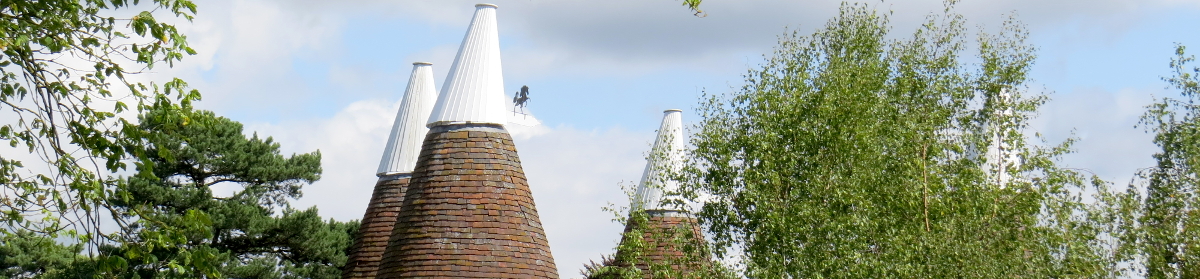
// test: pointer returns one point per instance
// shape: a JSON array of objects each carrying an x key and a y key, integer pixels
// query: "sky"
[{"x": 328, "y": 76}]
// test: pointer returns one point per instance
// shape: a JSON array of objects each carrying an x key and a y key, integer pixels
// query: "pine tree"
[
  {"x": 25, "y": 254},
  {"x": 252, "y": 233}
]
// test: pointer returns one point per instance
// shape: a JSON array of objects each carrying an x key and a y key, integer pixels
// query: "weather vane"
[{"x": 521, "y": 99}]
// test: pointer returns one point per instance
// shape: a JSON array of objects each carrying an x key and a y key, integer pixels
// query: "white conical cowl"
[
  {"x": 404, "y": 143},
  {"x": 1001, "y": 158},
  {"x": 666, "y": 157},
  {"x": 474, "y": 89}
]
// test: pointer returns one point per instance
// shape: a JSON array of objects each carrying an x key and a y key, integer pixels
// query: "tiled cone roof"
[
  {"x": 376, "y": 227},
  {"x": 666, "y": 156},
  {"x": 395, "y": 169},
  {"x": 468, "y": 212},
  {"x": 474, "y": 89},
  {"x": 404, "y": 142},
  {"x": 671, "y": 242}
]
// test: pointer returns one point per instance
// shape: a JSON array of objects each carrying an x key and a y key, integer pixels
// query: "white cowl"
[
  {"x": 474, "y": 89},
  {"x": 666, "y": 157},
  {"x": 404, "y": 143}
]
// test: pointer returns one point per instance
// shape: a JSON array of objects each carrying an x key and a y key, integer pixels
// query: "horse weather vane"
[{"x": 521, "y": 99}]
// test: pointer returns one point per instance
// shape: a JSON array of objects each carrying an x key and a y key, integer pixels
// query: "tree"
[
  {"x": 26, "y": 254},
  {"x": 1161, "y": 231},
  {"x": 178, "y": 228},
  {"x": 66, "y": 71},
  {"x": 252, "y": 233},
  {"x": 851, "y": 155}
]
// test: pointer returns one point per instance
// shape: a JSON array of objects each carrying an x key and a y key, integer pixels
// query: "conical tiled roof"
[
  {"x": 659, "y": 240},
  {"x": 666, "y": 157},
  {"x": 400, "y": 154},
  {"x": 670, "y": 242},
  {"x": 474, "y": 89},
  {"x": 468, "y": 212},
  {"x": 376, "y": 228},
  {"x": 395, "y": 171}
]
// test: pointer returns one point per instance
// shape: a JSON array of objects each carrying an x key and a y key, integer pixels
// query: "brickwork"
[
  {"x": 468, "y": 213},
  {"x": 376, "y": 228},
  {"x": 673, "y": 226}
]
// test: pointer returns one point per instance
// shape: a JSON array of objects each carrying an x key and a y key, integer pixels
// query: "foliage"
[
  {"x": 851, "y": 155},
  {"x": 1162, "y": 229},
  {"x": 605, "y": 269},
  {"x": 175, "y": 219},
  {"x": 26, "y": 254},
  {"x": 694, "y": 5},
  {"x": 66, "y": 77}
]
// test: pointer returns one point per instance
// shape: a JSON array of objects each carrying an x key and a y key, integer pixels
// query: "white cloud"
[
  {"x": 573, "y": 174},
  {"x": 246, "y": 51},
  {"x": 248, "y": 48},
  {"x": 254, "y": 39},
  {"x": 1109, "y": 144},
  {"x": 623, "y": 37},
  {"x": 351, "y": 144}
]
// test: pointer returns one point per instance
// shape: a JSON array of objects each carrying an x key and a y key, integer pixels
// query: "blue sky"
[
  {"x": 1131, "y": 56},
  {"x": 327, "y": 76}
]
